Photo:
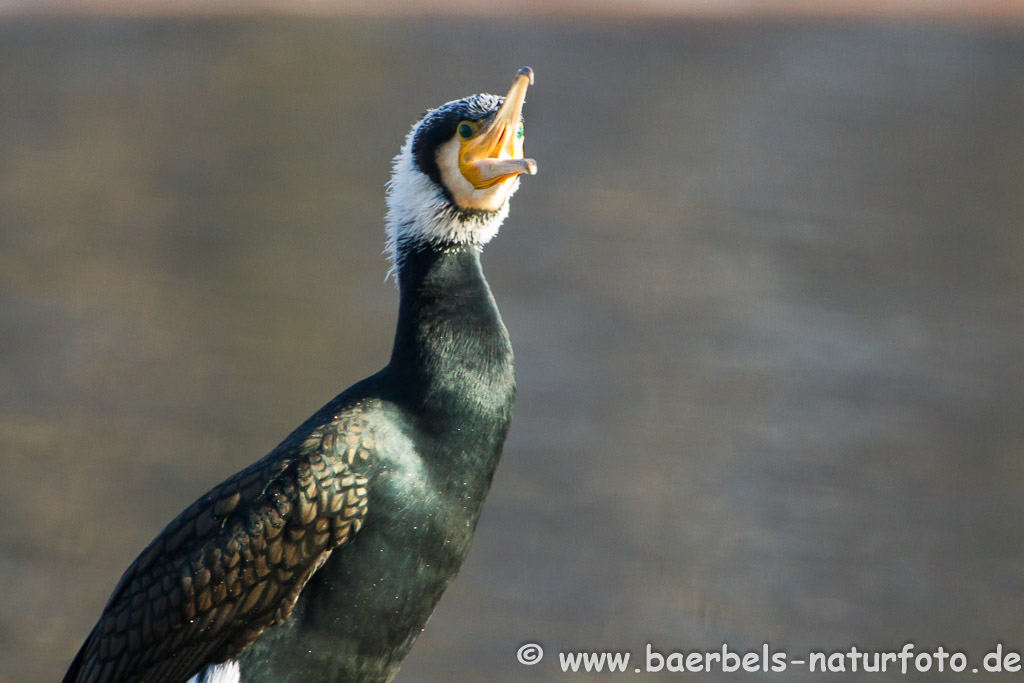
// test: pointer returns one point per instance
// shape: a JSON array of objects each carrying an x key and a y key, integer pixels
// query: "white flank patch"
[
  {"x": 228, "y": 672},
  {"x": 419, "y": 212}
]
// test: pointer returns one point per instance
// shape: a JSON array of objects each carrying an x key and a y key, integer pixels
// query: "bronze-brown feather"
[{"x": 234, "y": 562}]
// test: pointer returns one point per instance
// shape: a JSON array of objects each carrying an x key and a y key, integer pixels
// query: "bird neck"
[{"x": 452, "y": 354}]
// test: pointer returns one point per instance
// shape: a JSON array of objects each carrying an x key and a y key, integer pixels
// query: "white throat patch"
[
  {"x": 419, "y": 211},
  {"x": 227, "y": 672}
]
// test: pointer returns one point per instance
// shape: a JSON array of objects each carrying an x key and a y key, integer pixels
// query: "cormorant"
[{"x": 323, "y": 560}]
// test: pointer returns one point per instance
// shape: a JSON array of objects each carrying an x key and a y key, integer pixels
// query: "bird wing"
[{"x": 234, "y": 562}]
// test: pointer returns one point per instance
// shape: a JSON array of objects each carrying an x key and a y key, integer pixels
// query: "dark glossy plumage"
[
  {"x": 323, "y": 560},
  {"x": 234, "y": 561}
]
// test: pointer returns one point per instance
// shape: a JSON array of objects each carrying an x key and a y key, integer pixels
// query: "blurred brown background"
[{"x": 766, "y": 294}]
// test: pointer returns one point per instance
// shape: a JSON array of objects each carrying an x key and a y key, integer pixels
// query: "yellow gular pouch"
[{"x": 480, "y": 165}]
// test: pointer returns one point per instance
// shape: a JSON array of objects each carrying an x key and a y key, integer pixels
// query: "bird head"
[{"x": 460, "y": 164}]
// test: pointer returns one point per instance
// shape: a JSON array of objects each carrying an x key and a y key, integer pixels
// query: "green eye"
[
  {"x": 520, "y": 132},
  {"x": 465, "y": 131}
]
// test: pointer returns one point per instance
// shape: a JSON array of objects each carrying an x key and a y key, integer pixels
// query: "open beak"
[{"x": 496, "y": 154}]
